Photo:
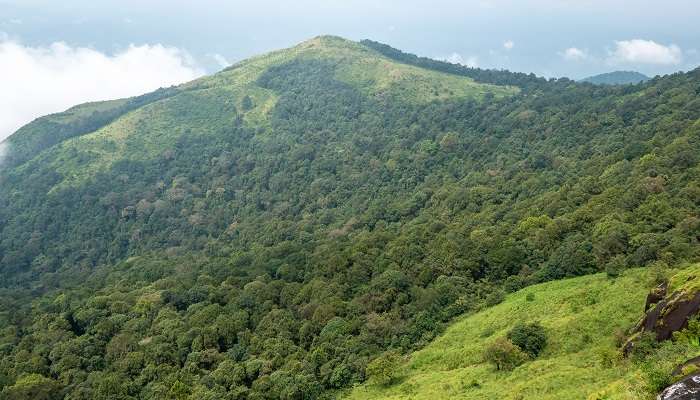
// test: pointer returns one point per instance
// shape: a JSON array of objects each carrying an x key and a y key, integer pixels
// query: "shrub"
[
  {"x": 615, "y": 266},
  {"x": 382, "y": 370},
  {"x": 691, "y": 334},
  {"x": 495, "y": 297},
  {"x": 656, "y": 378},
  {"x": 645, "y": 344},
  {"x": 607, "y": 357},
  {"x": 504, "y": 355},
  {"x": 530, "y": 338}
]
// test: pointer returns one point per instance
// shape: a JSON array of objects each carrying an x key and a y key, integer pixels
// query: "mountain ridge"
[
  {"x": 271, "y": 230},
  {"x": 617, "y": 78},
  {"x": 241, "y": 76}
]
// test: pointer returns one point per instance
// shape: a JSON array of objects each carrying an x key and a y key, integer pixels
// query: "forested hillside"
[{"x": 268, "y": 231}]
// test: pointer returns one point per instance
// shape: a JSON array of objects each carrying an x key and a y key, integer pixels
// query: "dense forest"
[{"x": 269, "y": 231}]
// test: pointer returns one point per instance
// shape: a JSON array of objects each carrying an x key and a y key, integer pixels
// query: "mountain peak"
[
  {"x": 327, "y": 41},
  {"x": 330, "y": 45}
]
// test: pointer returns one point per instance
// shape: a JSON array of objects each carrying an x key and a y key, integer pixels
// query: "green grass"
[
  {"x": 86, "y": 109},
  {"x": 687, "y": 280},
  {"x": 362, "y": 68},
  {"x": 581, "y": 360},
  {"x": 149, "y": 131}
]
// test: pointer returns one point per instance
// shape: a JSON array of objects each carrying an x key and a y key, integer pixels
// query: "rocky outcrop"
[
  {"x": 671, "y": 314},
  {"x": 656, "y": 295},
  {"x": 686, "y": 389},
  {"x": 665, "y": 314}
]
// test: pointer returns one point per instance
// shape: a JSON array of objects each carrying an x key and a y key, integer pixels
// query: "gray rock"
[{"x": 686, "y": 389}]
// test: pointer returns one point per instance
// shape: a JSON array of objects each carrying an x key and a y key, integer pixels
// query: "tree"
[
  {"x": 615, "y": 266},
  {"x": 33, "y": 387},
  {"x": 530, "y": 338},
  {"x": 572, "y": 258},
  {"x": 610, "y": 237},
  {"x": 504, "y": 355},
  {"x": 246, "y": 103}
]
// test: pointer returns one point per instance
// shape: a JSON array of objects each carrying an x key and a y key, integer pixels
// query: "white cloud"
[
  {"x": 221, "y": 60},
  {"x": 574, "y": 54},
  {"x": 508, "y": 44},
  {"x": 638, "y": 51},
  {"x": 36, "y": 81},
  {"x": 456, "y": 58},
  {"x": 3, "y": 151}
]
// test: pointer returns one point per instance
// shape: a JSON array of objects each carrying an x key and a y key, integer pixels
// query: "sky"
[{"x": 55, "y": 54}]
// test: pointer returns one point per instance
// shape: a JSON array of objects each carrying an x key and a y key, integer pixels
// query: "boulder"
[{"x": 686, "y": 389}]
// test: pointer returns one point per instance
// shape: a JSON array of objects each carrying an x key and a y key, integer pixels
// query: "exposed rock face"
[
  {"x": 686, "y": 389},
  {"x": 665, "y": 314},
  {"x": 671, "y": 314},
  {"x": 657, "y": 294}
]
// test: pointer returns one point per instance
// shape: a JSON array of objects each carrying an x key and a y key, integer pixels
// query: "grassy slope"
[
  {"x": 147, "y": 132},
  {"x": 581, "y": 316},
  {"x": 27, "y": 140}
]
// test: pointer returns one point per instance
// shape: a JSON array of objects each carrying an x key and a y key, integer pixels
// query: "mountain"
[
  {"x": 617, "y": 78},
  {"x": 280, "y": 229}
]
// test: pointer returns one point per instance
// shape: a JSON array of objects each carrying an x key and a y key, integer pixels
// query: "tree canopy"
[{"x": 270, "y": 237}]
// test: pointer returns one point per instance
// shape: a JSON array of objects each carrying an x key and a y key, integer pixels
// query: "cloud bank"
[
  {"x": 456, "y": 58},
  {"x": 639, "y": 51},
  {"x": 3, "y": 152},
  {"x": 36, "y": 81},
  {"x": 574, "y": 54},
  {"x": 221, "y": 61}
]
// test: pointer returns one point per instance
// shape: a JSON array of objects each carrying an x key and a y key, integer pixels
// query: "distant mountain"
[{"x": 617, "y": 78}]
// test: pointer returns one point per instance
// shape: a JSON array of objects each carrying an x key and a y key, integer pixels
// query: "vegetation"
[
  {"x": 525, "y": 81},
  {"x": 584, "y": 318},
  {"x": 382, "y": 370},
  {"x": 617, "y": 78},
  {"x": 48, "y": 131},
  {"x": 531, "y": 338},
  {"x": 271, "y": 231},
  {"x": 504, "y": 355}
]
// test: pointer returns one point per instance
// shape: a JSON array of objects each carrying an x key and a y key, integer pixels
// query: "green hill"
[
  {"x": 583, "y": 318},
  {"x": 617, "y": 78},
  {"x": 50, "y": 130},
  {"x": 268, "y": 231}
]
